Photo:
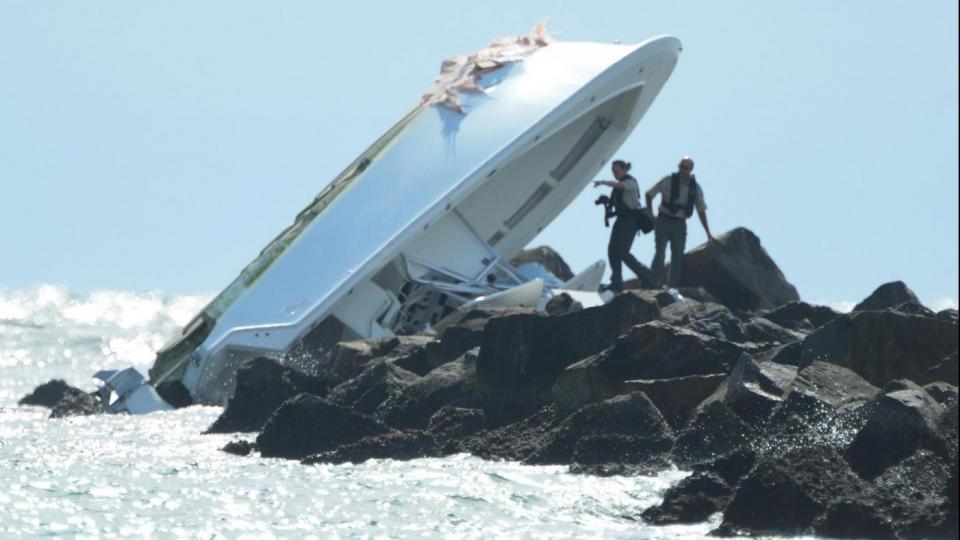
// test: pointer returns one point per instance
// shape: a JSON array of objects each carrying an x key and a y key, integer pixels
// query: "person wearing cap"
[
  {"x": 679, "y": 195},
  {"x": 626, "y": 194}
]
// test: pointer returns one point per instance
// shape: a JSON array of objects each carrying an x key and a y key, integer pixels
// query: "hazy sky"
[{"x": 161, "y": 145}]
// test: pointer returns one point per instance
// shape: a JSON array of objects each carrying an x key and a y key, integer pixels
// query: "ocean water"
[{"x": 112, "y": 476}]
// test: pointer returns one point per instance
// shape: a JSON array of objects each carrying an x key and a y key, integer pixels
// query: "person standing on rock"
[
  {"x": 679, "y": 194},
  {"x": 626, "y": 197}
]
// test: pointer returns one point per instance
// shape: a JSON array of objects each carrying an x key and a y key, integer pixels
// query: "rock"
[
  {"x": 522, "y": 355},
  {"x": 175, "y": 394},
  {"x": 546, "y": 256},
  {"x": 794, "y": 314},
  {"x": 911, "y": 496},
  {"x": 694, "y": 499},
  {"x": 632, "y": 414},
  {"x": 739, "y": 272},
  {"x": 677, "y": 397},
  {"x": 515, "y": 441},
  {"x": 941, "y": 392},
  {"x": 562, "y": 304},
  {"x": 882, "y": 346},
  {"x": 453, "y": 384},
  {"x": 239, "y": 448},
  {"x": 886, "y": 296},
  {"x": 854, "y": 519},
  {"x": 900, "y": 422},
  {"x": 787, "y": 355},
  {"x": 350, "y": 358},
  {"x": 761, "y": 330},
  {"x": 461, "y": 331},
  {"x": 712, "y": 431},
  {"x": 786, "y": 494},
  {"x": 306, "y": 424},
  {"x": 949, "y": 315},
  {"x": 457, "y": 422},
  {"x": 379, "y": 382},
  {"x": 913, "y": 308},
  {"x": 946, "y": 371},
  {"x": 653, "y": 350},
  {"x": 74, "y": 404},
  {"x": 730, "y": 468},
  {"x": 50, "y": 393},
  {"x": 262, "y": 385},
  {"x": 607, "y": 454},
  {"x": 398, "y": 445},
  {"x": 755, "y": 388}
]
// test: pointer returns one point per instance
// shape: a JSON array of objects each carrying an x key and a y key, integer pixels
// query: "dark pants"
[
  {"x": 673, "y": 231},
  {"x": 618, "y": 250}
]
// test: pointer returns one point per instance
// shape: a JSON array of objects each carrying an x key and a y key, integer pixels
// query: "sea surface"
[{"x": 112, "y": 476}]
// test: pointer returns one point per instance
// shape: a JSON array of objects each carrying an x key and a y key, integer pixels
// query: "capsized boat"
[{"x": 427, "y": 218}]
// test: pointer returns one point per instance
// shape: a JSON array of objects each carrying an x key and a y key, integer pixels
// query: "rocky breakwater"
[{"x": 793, "y": 418}]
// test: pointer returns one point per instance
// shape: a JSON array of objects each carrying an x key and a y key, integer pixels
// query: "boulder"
[
  {"x": 607, "y": 454},
  {"x": 654, "y": 350},
  {"x": 755, "y": 388},
  {"x": 949, "y": 315},
  {"x": 514, "y": 441},
  {"x": 632, "y": 414},
  {"x": 175, "y": 394},
  {"x": 900, "y": 422},
  {"x": 63, "y": 399},
  {"x": 456, "y": 422},
  {"x": 943, "y": 393},
  {"x": 912, "y": 496},
  {"x": 786, "y": 494},
  {"x": 738, "y": 271},
  {"x": 946, "y": 371},
  {"x": 453, "y": 384},
  {"x": 350, "y": 358},
  {"x": 694, "y": 499},
  {"x": 546, "y": 256},
  {"x": 712, "y": 431},
  {"x": 379, "y": 382},
  {"x": 306, "y": 424},
  {"x": 886, "y": 296},
  {"x": 798, "y": 315},
  {"x": 239, "y": 448},
  {"x": 882, "y": 346},
  {"x": 562, "y": 304},
  {"x": 459, "y": 332},
  {"x": 398, "y": 445},
  {"x": 677, "y": 397},
  {"x": 262, "y": 385},
  {"x": 522, "y": 355},
  {"x": 730, "y": 468},
  {"x": 855, "y": 519}
]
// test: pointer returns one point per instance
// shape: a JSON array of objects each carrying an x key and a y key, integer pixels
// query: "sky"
[{"x": 160, "y": 145}]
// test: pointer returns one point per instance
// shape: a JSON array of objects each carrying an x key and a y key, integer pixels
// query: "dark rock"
[
  {"x": 913, "y": 308},
  {"x": 698, "y": 294},
  {"x": 677, "y": 397},
  {"x": 755, "y": 388},
  {"x": 900, "y": 422},
  {"x": 457, "y": 422},
  {"x": 911, "y": 496},
  {"x": 882, "y": 345},
  {"x": 562, "y": 304},
  {"x": 380, "y": 382},
  {"x": 239, "y": 448},
  {"x": 550, "y": 259},
  {"x": 854, "y": 519},
  {"x": 712, "y": 431},
  {"x": 262, "y": 385},
  {"x": 787, "y": 355},
  {"x": 786, "y": 494},
  {"x": 949, "y": 315},
  {"x": 398, "y": 445},
  {"x": 454, "y": 384},
  {"x": 886, "y": 296},
  {"x": 653, "y": 350},
  {"x": 738, "y": 271},
  {"x": 76, "y": 404},
  {"x": 306, "y": 424},
  {"x": 729, "y": 467},
  {"x": 793, "y": 314},
  {"x": 350, "y": 358},
  {"x": 632, "y": 414},
  {"x": 522, "y": 355},
  {"x": 946, "y": 371},
  {"x": 607, "y": 454},
  {"x": 175, "y": 393},
  {"x": 516, "y": 441},
  {"x": 459, "y": 332},
  {"x": 694, "y": 499},
  {"x": 50, "y": 393},
  {"x": 761, "y": 330},
  {"x": 942, "y": 392}
]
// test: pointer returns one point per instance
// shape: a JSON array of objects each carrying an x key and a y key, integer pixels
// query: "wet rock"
[
  {"x": 175, "y": 394},
  {"x": 457, "y": 422},
  {"x": 854, "y": 519},
  {"x": 453, "y": 384},
  {"x": 562, "y": 304},
  {"x": 398, "y": 445},
  {"x": 653, "y": 350},
  {"x": 262, "y": 385},
  {"x": 239, "y": 448},
  {"x": 515, "y": 441},
  {"x": 730, "y": 468},
  {"x": 886, "y": 296},
  {"x": 911, "y": 496},
  {"x": 379, "y": 382},
  {"x": 942, "y": 392},
  {"x": 50, "y": 393},
  {"x": 739, "y": 272},
  {"x": 694, "y": 499},
  {"x": 632, "y": 414},
  {"x": 949, "y": 315},
  {"x": 607, "y": 454},
  {"x": 900, "y": 422},
  {"x": 74, "y": 404},
  {"x": 946, "y": 371},
  {"x": 522, "y": 355},
  {"x": 786, "y": 494},
  {"x": 306, "y": 424},
  {"x": 459, "y": 332},
  {"x": 797, "y": 315},
  {"x": 882, "y": 346},
  {"x": 677, "y": 397},
  {"x": 546, "y": 256},
  {"x": 350, "y": 358},
  {"x": 712, "y": 431},
  {"x": 755, "y": 388},
  {"x": 913, "y": 308},
  {"x": 787, "y": 355}
]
